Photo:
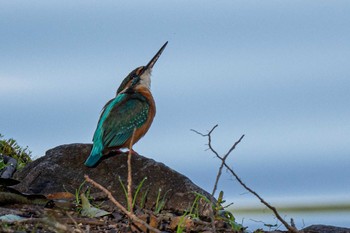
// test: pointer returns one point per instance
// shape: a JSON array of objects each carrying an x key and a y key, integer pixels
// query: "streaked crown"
[{"x": 140, "y": 75}]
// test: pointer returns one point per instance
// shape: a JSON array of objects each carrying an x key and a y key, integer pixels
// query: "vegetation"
[
  {"x": 10, "y": 147},
  {"x": 188, "y": 219},
  {"x": 138, "y": 188},
  {"x": 160, "y": 202},
  {"x": 218, "y": 220}
]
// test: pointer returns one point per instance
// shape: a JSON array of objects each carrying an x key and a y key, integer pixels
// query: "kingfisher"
[{"x": 132, "y": 108}]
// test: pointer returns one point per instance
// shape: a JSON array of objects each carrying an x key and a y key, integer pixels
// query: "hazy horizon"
[{"x": 275, "y": 71}]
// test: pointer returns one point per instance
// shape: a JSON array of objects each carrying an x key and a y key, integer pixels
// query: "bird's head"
[{"x": 140, "y": 75}]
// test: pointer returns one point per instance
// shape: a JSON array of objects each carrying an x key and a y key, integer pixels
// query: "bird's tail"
[{"x": 95, "y": 155}]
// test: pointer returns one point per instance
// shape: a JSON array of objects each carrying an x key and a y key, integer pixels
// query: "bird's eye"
[{"x": 135, "y": 80}]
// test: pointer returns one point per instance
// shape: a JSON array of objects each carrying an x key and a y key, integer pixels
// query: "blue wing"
[{"x": 117, "y": 122}]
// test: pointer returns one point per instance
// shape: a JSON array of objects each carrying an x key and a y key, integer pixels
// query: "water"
[
  {"x": 306, "y": 211},
  {"x": 267, "y": 221}
]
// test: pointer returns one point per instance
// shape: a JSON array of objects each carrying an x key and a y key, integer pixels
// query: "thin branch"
[
  {"x": 223, "y": 163},
  {"x": 209, "y": 139},
  {"x": 274, "y": 210},
  {"x": 211, "y": 215},
  {"x": 132, "y": 216},
  {"x": 130, "y": 173},
  {"x": 129, "y": 213},
  {"x": 234, "y": 146},
  {"x": 73, "y": 221},
  {"x": 223, "y": 159}
]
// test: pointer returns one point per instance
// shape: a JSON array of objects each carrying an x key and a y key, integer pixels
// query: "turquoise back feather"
[
  {"x": 98, "y": 147},
  {"x": 117, "y": 122}
]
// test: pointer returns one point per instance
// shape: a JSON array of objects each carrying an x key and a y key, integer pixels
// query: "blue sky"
[{"x": 276, "y": 71}]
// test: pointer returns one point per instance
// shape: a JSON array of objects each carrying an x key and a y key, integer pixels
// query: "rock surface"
[
  {"x": 62, "y": 169},
  {"x": 325, "y": 229}
]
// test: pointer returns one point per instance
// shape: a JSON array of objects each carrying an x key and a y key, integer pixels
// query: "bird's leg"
[
  {"x": 133, "y": 152},
  {"x": 113, "y": 151}
]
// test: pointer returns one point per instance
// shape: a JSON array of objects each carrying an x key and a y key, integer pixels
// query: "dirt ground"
[{"x": 37, "y": 218}]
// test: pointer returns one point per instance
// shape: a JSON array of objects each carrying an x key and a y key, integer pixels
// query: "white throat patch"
[{"x": 146, "y": 79}]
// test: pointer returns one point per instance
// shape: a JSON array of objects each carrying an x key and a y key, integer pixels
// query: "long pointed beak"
[{"x": 155, "y": 58}]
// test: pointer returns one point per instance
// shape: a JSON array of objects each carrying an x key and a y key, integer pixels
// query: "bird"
[{"x": 133, "y": 108}]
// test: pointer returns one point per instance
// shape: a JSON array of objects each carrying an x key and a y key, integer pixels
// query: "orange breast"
[{"x": 140, "y": 132}]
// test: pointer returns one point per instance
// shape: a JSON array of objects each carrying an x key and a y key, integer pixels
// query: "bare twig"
[
  {"x": 130, "y": 173},
  {"x": 223, "y": 160},
  {"x": 129, "y": 212},
  {"x": 132, "y": 216},
  {"x": 77, "y": 227},
  {"x": 85, "y": 221},
  {"x": 209, "y": 139},
  {"x": 211, "y": 215},
  {"x": 274, "y": 210}
]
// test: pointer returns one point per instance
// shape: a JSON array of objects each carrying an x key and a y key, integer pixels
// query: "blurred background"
[{"x": 276, "y": 71}]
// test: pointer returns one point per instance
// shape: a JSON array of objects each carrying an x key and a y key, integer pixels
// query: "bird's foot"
[
  {"x": 133, "y": 152},
  {"x": 112, "y": 152}
]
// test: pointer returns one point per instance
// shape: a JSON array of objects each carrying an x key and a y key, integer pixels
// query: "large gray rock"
[
  {"x": 325, "y": 229},
  {"x": 62, "y": 168}
]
